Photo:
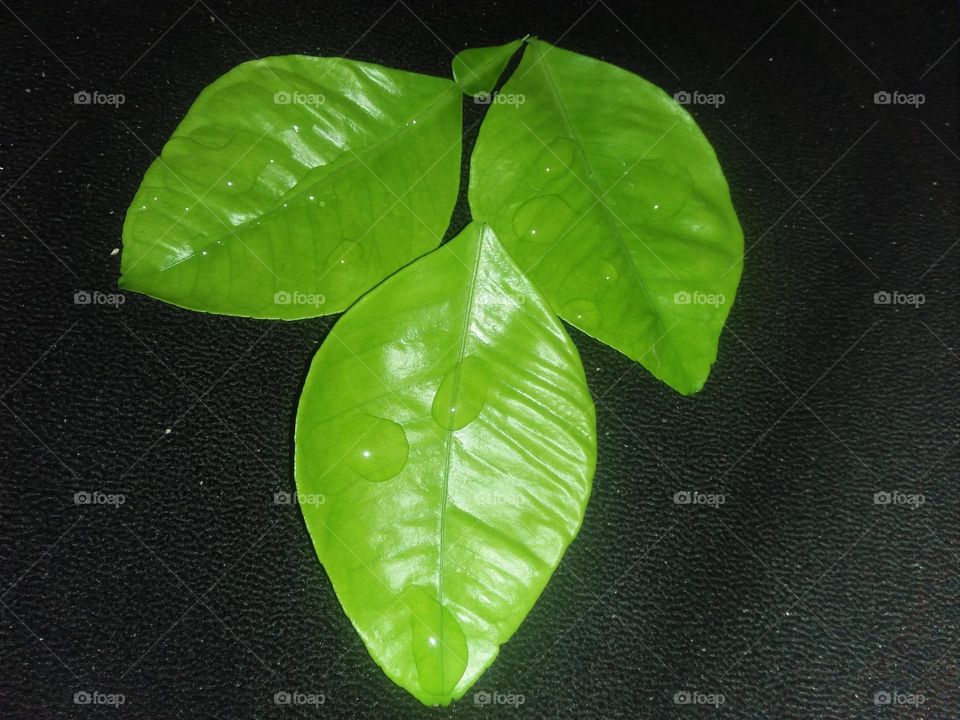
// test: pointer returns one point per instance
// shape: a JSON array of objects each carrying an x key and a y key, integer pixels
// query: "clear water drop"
[
  {"x": 582, "y": 312},
  {"x": 553, "y": 164},
  {"x": 462, "y": 393},
  {"x": 542, "y": 219},
  {"x": 608, "y": 272},
  {"x": 439, "y": 645},
  {"x": 660, "y": 187},
  {"x": 346, "y": 254},
  {"x": 345, "y": 270},
  {"x": 379, "y": 448}
]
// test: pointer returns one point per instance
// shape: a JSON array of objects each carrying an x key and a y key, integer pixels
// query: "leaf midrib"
[
  {"x": 597, "y": 190},
  {"x": 348, "y": 159},
  {"x": 448, "y": 449}
]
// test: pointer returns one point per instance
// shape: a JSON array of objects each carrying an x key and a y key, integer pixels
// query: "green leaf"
[
  {"x": 477, "y": 70},
  {"x": 447, "y": 424},
  {"x": 605, "y": 191},
  {"x": 293, "y": 185}
]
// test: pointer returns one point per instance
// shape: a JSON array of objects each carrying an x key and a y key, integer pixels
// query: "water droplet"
[
  {"x": 659, "y": 186},
  {"x": 559, "y": 155},
  {"x": 542, "y": 219},
  {"x": 346, "y": 254},
  {"x": 462, "y": 393},
  {"x": 229, "y": 183},
  {"x": 582, "y": 312},
  {"x": 439, "y": 646},
  {"x": 379, "y": 450},
  {"x": 553, "y": 162},
  {"x": 345, "y": 271},
  {"x": 608, "y": 273}
]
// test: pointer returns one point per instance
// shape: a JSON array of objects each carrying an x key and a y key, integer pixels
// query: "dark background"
[{"x": 200, "y": 597}]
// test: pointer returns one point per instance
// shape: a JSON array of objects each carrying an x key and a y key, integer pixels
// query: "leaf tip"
[{"x": 477, "y": 70}]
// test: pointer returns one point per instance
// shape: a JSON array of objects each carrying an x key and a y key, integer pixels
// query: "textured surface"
[
  {"x": 201, "y": 597},
  {"x": 609, "y": 196},
  {"x": 447, "y": 428},
  {"x": 287, "y": 191}
]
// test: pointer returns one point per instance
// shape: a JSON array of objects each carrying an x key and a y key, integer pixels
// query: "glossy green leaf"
[
  {"x": 477, "y": 70},
  {"x": 606, "y": 192},
  {"x": 447, "y": 424},
  {"x": 293, "y": 185}
]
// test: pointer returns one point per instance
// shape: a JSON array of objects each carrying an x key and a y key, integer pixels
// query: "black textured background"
[{"x": 201, "y": 598}]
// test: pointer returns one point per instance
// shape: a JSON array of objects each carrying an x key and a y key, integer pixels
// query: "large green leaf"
[
  {"x": 606, "y": 192},
  {"x": 447, "y": 424},
  {"x": 293, "y": 185}
]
